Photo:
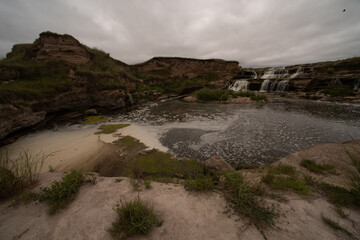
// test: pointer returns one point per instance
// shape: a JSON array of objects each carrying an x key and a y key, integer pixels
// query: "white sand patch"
[{"x": 67, "y": 146}]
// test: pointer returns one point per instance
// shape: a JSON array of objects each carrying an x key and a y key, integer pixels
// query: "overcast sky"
[{"x": 253, "y": 32}]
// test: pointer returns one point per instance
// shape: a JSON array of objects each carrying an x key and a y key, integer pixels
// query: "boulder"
[{"x": 216, "y": 163}]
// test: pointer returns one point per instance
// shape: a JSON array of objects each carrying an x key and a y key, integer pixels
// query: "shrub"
[
  {"x": 134, "y": 217},
  {"x": 212, "y": 95},
  {"x": 334, "y": 91},
  {"x": 282, "y": 169},
  {"x": 62, "y": 192},
  {"x": 19, "y": 172}
]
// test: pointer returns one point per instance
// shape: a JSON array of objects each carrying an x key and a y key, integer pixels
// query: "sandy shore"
[{"x": 78, "y": 146}]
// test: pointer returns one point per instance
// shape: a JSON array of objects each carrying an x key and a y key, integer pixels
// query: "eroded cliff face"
[
  {"x": 60, "y": 47},
  {"x": 65, "y": 75},
  {"x": 187, "y": 67}
]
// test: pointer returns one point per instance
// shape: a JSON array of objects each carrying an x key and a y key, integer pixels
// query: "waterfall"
[
  {"x": 265, "y": 85},
  {"x": 283, "y": 86},
  {"x": 275, "y": 73},
  {"x": 357, "y": 85},
  {"x": 299, "y": 71},
  {"x": 239, "y": 85},
  {"x": 268, "y": 74},
  {"x": 273, "y": 86},
  {"x": 255, "y": 74}
]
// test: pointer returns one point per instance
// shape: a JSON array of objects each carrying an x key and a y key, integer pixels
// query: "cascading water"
[
  {"x": 283, "y": 86},
  {"x": 299, "y": 71},
  {"x": 357, "y": 85},
  {"x": 239, "y": 85},
  {"x": 265, "y": 85},
  {"x": 273, "y": 86},
  {"x": 255, "y": 74},
  {"x": 268, "y": 74},
  {"x": 275, "y": 73}
]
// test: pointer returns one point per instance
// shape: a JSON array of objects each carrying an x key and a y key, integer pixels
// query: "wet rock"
[{"x": 216, "y": 163}]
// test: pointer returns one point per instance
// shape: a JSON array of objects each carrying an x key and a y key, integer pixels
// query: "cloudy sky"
[{"x": 253, "y": 32}]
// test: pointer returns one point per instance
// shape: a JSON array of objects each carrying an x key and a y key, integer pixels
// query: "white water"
[
  {"x": 299, "y": 71},
  {"x": 275, "y": 73},
  {"x": 282, "y": 86},
  {"x": 357, "y": 85},
  {"x": 265, "y": 85},
  {"x": 239, "y": 85},
  {"x": 255, "y": 74}
]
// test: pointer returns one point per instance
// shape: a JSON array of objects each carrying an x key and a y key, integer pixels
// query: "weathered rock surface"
[
  {"x": 61, "y": 47},
  {"x": 13, "y": 119},
  {"x": 216, "y": 163}
]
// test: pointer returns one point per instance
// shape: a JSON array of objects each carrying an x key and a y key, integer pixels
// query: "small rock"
[
  {"x": 91, "y": 112},
  {"x": 218, "y": 164}
]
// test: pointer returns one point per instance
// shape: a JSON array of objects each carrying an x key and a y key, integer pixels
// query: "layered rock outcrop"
[{"x": 60, "y": 47}]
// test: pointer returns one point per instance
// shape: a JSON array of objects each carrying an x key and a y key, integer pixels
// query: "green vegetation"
[
  {"x": 95, "y": 119},
  {"x": 147, "y": 184},
  {"x": 334, "y": 225},
  {"x": 200, "y": 183},
  {"x": 282, "y": 169},
  {"x": 339, "y": 196},
  {"x": 18, "y": 173},
  {"x": 111, "y": 128},
  {"x": 133, "y": 218},
  {"x": 244, "y": 200},
  {"x": 118, "y": 180},
  {"x": 159, "y": 164},
  {"x": 212, "y": 95},
  {"x": 312, "y": 166},
  {"x": 248, "y": 94},
  {"x": 135, "y": 184},
  {"x": 259, "y": 98},
  {"x": 62, "y": 192},
  {"x": 292, "y": 183},
  {"x": 25, "y": 197},
  {"x": 285, "y": 177},
  {"x": 130, "y": 144},
  {"x": 341, "y": 211},
  {"x": 335, "y": 91}
]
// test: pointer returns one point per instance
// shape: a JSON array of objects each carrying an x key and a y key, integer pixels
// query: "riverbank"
[{"x": 194, "y": 215}]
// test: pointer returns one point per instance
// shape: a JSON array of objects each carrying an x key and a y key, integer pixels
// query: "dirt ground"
[{"x": 186, "y": 215}]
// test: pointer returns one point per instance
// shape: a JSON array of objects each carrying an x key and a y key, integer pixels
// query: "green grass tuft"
[
  {"x": 312, "y": 166},
  {"x": 335, "y": 225},
  {"x": 244, "y": 200},
  {"x": 62, "y": 192},
  {"x": 147, "y": 184},
  {"x": 133, "y": 218},
  {"x": 95, "y": 119},
  {"x": 282, "y": 169},
  {"x": 201, "y": 183},
  {"x": 340, "y": 211},
  {"x": 111, "y": 128},
  {"x": 292, "y": 183},
  {"x": 338, "y": 195},
  {"x": 20, "y": 172}
]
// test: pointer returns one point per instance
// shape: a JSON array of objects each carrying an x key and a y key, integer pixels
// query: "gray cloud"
[{"x": 255, "y": 33}]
